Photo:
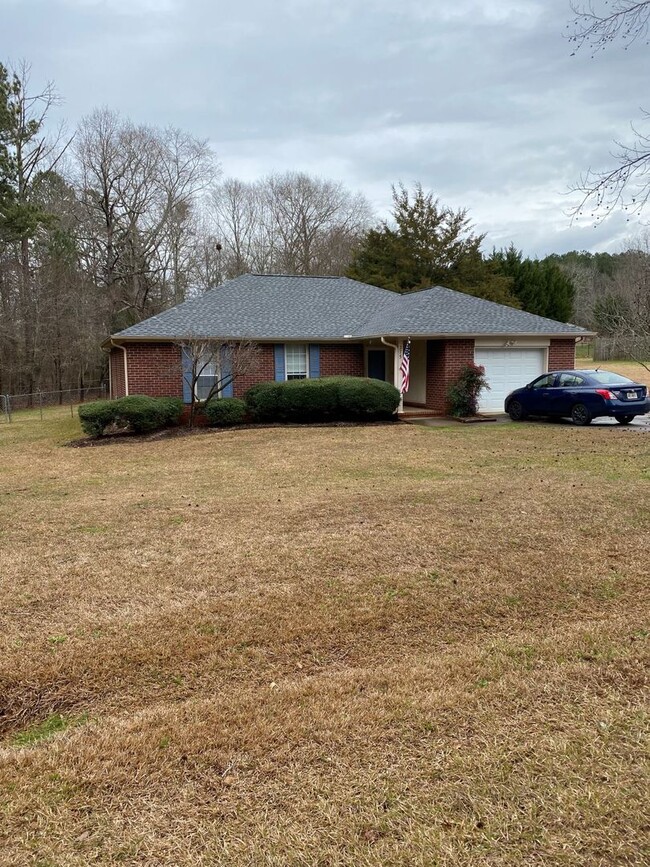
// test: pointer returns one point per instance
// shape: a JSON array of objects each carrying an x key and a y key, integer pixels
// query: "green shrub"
[
  {"x": 262, "y": 401},
  {"x": 367, "y": 398},
  {"x": 463, "y": 394},
  {"x": 145, "y": 414},
  {"x": 96, "y": 416},
  {"x": 225, "y": 411},
  {"x": 138, "y": 412},
  {"x": 335, "y": 398}
]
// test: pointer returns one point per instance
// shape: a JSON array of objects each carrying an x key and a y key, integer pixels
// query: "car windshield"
[{"x": 604, "y": 378}]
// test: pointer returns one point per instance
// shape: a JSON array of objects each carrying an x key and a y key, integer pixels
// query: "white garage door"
[{"x": 507, "y": 369}]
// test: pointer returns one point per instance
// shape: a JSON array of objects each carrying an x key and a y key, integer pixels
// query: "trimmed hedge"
[
  {"x": 225, "y": 411},
  {"x": 138, "y": 412},
  {"x": 333, "y": 398}
]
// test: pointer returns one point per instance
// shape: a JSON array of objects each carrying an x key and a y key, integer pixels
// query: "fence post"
[
  {"x": 40, "y": 403},
  {"x": 8, "y": 405}
]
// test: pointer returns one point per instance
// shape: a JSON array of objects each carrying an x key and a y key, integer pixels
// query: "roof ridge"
[{"x": 302, "y": 276}]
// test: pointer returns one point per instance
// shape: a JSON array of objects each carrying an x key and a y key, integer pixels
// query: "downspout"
[{"x": 396, "y": 347}]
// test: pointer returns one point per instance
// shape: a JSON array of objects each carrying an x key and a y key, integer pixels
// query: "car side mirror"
[{"x": 530, "y": 385}]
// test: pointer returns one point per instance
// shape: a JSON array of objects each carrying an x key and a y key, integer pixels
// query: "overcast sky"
[{"x": 480, "y": 100}]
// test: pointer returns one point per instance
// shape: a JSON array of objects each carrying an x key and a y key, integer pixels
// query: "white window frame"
[
  {"x": 214, "y": 364},
  {"x": 288, "y": 346}
]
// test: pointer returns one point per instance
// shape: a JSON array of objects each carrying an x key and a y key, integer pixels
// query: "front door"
[{"x": 377, "y": 364}]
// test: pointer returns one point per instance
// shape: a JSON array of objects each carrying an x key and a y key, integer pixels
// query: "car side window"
[
  {"x": 570, "y": 380},
  {"x": 544, "y": 381}
]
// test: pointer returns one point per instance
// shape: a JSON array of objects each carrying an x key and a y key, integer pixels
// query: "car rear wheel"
[
  {"x": 516, "y": 410},
  {"x": 580, "y": 415},
  {"x": 624, "y": 419}
]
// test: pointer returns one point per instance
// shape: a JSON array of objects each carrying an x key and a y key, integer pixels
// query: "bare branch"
[{"x": 620, "y": 19}]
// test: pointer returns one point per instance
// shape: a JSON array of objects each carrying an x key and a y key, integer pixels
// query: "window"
[
  {"x": 296, "y": 360},
  {"x": 546, "y": 381},
  {"x": 206, "y": 369},
  {"x": 570, "y": 380},
  {"x": 602, "y": 377}
]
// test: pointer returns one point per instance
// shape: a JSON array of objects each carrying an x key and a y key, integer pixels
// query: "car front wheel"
[
  {"x": 624, "y": 419},
  {"x": 580, "y": 415},
  {"x": 516, "y": 410}
]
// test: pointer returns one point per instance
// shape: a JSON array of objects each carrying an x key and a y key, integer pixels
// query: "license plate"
[{"x": 632, "y": 395}]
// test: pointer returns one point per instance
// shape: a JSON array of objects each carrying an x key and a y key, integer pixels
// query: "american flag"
[{"x": 405, "y": 367}]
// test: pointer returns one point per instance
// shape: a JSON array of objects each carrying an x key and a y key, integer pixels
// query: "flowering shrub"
[{"x": 463, "y": 394}]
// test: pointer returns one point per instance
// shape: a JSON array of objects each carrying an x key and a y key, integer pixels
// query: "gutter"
[{"x": 313, "y": 338}]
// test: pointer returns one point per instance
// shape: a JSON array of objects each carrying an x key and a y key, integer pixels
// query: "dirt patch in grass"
[{"x": 325, "y": 646}]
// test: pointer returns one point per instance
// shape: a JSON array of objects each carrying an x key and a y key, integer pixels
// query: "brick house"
[{"x": 329, "y": 326}]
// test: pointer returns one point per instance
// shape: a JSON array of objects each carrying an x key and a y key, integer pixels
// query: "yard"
[{"x": 387, "y": 645}]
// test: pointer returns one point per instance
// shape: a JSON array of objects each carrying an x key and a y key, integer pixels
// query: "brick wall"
[
  {"x": 341, "y": 359},
  {"x": 562, "y": 354},
  {"x": 445, "y": 360},
  {"x": 154, "y": 369},
  {"x": 116, "y": 361},
  {"x": 264, "y": 370}
]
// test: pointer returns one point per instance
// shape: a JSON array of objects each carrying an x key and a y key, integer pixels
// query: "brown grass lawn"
[
  {"x": 633, "y": 369},
  {"x": 328, "y": 646}
]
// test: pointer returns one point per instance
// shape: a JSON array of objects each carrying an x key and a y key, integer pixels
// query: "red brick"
[
  {"x": 154, "y": 369},
  {"x": 341, "y": 359},
  {"x": 264, "y": 370},
  {"x": 445, "y": 360},
  {"x": 562, "y": 354}
]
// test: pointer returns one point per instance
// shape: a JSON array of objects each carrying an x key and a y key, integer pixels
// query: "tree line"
[{"x": 115, "y": 221}]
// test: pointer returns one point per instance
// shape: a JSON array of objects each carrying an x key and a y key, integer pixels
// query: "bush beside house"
[
  {"x": 463, "y": 394},
  {"x": 335, "y": 398},
  {"x": 225, "y": 412},
  {"x": 138, "y": 413}
]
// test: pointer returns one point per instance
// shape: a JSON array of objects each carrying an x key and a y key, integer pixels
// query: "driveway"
[{"x": 640, "y": 424}]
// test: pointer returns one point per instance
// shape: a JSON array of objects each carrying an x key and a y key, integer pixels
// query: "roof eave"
[
  {"x": 117, "y": 339},
  {"x": 452, "y": 335}
]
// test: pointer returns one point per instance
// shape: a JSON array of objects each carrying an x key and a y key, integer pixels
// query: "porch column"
[{"x": 397, "y": 360}]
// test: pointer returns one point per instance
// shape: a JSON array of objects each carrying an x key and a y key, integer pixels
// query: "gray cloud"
[{"x": 480, "y": 100}]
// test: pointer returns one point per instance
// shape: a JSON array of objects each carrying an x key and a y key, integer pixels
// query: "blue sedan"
[{"x": 581, "y": 395}]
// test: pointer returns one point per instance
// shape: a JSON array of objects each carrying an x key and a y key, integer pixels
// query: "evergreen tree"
[
  {"x": 540, "y": 286},
  {"x": 428, "y": 244},
  {"x": 6, "y": 164}
]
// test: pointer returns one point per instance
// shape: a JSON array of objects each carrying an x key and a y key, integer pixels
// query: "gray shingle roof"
[
  {"x": 443, "y": 311},
  {"x": 270, "y": 307},
  {"x": 279, "y": 307}
]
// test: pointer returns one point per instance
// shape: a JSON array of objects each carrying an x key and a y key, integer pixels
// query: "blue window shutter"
[
  {"x": 187, "y": 374},
  {"x": 314, "y": 360},
  {"x": 279, "y": 362},
  {"x": 226, "y": 372}
]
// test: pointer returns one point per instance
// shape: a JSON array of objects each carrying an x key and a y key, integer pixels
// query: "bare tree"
[
  {"x": 290, "y": 223},
  {"x": 595, "y": 26},
  {"x": 140, "y": 186},
  {"x": 238, "y": 211},
  {"x": 318, "y": 222},
  {"x": 211, "y": 365}
]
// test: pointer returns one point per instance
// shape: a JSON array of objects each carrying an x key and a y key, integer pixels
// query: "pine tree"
[
  {"x": 540, "y": 286},
  {"x": 428, "y": 244}
]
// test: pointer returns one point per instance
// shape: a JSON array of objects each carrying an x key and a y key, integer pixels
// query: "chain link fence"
[{"x": 39, "y": 401}]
